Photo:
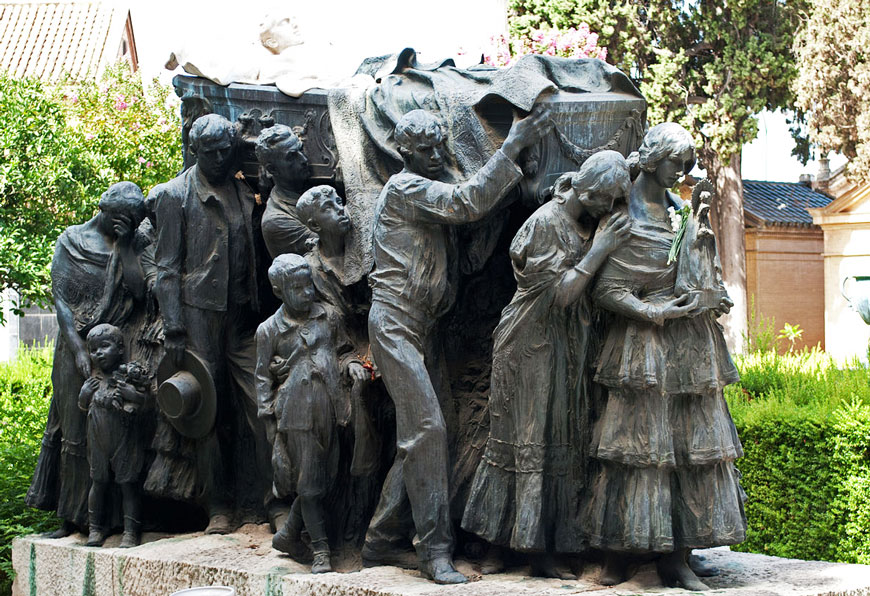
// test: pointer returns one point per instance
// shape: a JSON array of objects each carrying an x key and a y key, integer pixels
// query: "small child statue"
[
  {"x": 301, "y": 400},
  {"x": 114, "y": 396},
  {"x": 699, "y": 272}
]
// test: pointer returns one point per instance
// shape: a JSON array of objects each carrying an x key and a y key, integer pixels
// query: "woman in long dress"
[
  {"x": 96, "y": 278},
  {"x": 664, "y": 445},
  {"x": 525, "y": 491}
]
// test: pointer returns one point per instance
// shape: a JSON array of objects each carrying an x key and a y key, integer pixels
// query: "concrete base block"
[{"x": 245, "y": 560}]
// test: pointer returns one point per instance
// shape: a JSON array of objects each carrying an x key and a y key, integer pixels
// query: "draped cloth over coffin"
[{"x": 363, "y": 120}]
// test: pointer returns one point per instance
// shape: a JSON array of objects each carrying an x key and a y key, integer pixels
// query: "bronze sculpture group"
[{"x": 326, "y": 408}]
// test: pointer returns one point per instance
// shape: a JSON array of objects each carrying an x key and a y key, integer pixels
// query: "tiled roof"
[
  {"x": 46, "y": 39},
  {"x": 781, "y": 203}
]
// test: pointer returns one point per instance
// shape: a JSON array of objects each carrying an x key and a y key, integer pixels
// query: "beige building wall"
[
  {"x": 846, "y": 253},
  {"x": 785, "y": 276}
]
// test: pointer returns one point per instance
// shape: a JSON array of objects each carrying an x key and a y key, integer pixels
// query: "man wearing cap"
[{"x": 207, "y": 291}]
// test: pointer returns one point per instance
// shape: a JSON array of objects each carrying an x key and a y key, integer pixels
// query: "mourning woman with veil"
[{"x": 96, "y": 278}]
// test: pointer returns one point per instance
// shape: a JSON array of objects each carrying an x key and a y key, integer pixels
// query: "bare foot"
[
  {"x": 492, "y": 562},
  {"x": 614, "y": 570},
  {"x": 701, "y": 567},
  {"x": 544, "y": 565},
  {"x": 675, "y": 572}
]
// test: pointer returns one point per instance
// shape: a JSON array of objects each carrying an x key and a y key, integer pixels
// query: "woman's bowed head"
[
  {"x": 601, "y": 182},
  {"x": 667, "y": 153}
]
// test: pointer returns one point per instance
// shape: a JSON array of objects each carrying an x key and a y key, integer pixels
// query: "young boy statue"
[
  {"x": 300, "y": 400},
  {"x": 114, "y": 396}
]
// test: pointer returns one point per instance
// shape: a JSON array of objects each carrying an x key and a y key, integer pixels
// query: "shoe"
[
  {"x": 290, "y": 542},
  {"x": 321, "y": 563},
  {"x": 132, "y": 533},
  {"x": 442, "y": 571},
  {"x": 379, "y": 557},
  {"x": 67, "y": 528},
  {"x": 130, "y": 539},
  {"x": 96, "y": 537},
  {"x": 219, "y": 524}
]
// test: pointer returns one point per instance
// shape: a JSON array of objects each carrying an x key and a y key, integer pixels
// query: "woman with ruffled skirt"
[{"x": 664, "y": 445}]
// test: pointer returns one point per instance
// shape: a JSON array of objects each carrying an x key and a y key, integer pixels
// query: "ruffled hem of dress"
[
  {"x": 661, "y": 510},
  {"x": 504, "y": 515}
]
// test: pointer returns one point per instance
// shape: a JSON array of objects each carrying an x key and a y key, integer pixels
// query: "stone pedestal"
[{"x": 246, "y": 561}]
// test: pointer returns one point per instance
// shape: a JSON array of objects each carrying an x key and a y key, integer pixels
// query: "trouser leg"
[
  {"x": 315, "y": 522},
  {"x": 398, "y": 348},
  {"x": 392, "y": 524},
  {"x": 96, "y": 506},
  {"x": 205, "y": 337},
  {"x": 241, "y": 358}
]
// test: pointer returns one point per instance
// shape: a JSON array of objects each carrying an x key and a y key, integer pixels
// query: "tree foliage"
[
  {"x": 61, "y": 147},
  {"x": 833, "y": 85},
  {"x": 709, "y": 65}
]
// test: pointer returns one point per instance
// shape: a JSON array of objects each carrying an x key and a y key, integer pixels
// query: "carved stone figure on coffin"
[
  {"x": 300, "y": 401},
  {"x": 116, "y": 397},
  {"x": 664, "y": 444}
]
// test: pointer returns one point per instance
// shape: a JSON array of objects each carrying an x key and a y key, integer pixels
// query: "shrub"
[
  {"x": 60, "y": 148},
  {"x": 805, "y": 427},
  {"x": 573, "y": 42},
  {"x": 25, "y": 393}
]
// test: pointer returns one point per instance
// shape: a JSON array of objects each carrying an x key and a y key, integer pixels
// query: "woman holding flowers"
[{"x": 663, "y": 444}]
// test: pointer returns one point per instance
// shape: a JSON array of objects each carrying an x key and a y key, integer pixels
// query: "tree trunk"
[{"x": 727, "y": 220}]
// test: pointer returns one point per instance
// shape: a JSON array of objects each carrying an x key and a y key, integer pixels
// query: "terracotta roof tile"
[{"x": 48, "y": 39}]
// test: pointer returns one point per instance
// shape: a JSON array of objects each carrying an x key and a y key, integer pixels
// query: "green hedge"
[
  {"x": 804, "y": 423},
  {"x": 25, "y": 392},
  {"x": 805, "y": 427}
]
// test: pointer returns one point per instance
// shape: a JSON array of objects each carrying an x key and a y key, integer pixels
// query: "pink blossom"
[
  {"x": 149, "y": 165},
  {"x": 89, "y": 136},
  {"x": 121, "y": 105},
  {"x": 142, "y": 159}
]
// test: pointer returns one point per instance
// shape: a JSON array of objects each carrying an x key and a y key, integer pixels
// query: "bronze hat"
[{"x": 186, "y": 395}]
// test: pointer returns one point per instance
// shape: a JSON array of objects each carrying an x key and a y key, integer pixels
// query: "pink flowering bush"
[
  {"x": 577, "y": 42},
  {"x": 128, "y": 131},
  {"x": 60, "y": 148}
]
